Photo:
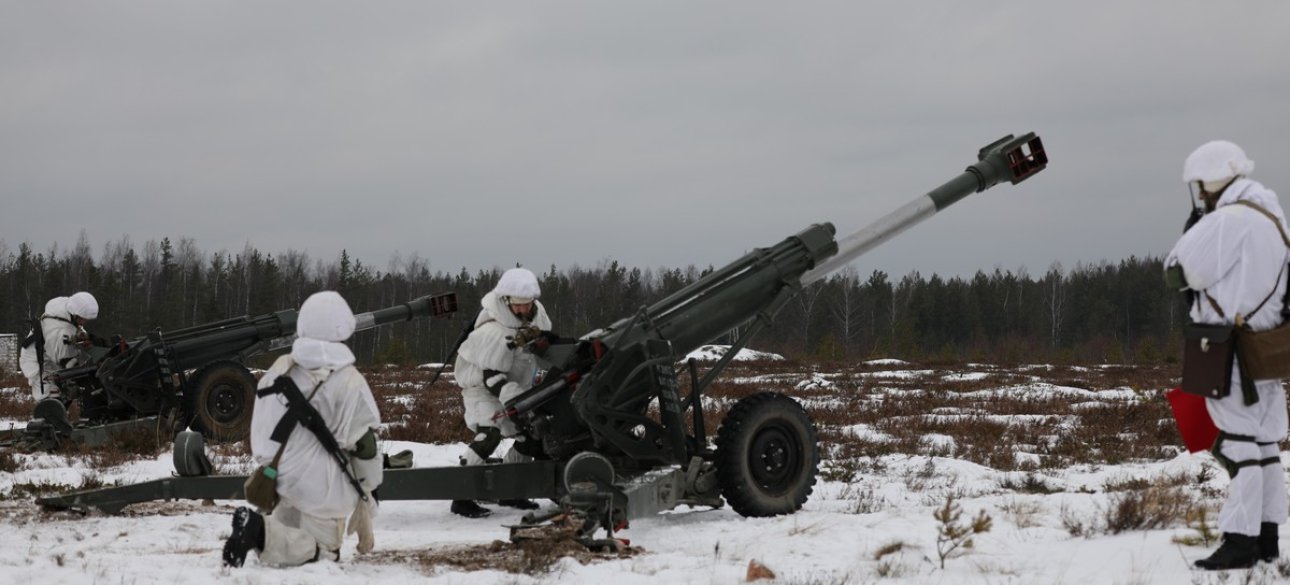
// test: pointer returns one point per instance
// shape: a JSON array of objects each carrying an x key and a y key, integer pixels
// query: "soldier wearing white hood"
[
  {"x": 491, "y": 369},
  {"x": 63, "y": 327},
  {"x": 1233, "y": 257},
  {"x": 316, "y": 496}
]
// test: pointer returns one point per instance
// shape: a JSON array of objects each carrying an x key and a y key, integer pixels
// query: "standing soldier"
[
  {"x": 52, "y": 343},
  {"x": 491, "y": 369},
  {"x": 1233, "y": 258}
]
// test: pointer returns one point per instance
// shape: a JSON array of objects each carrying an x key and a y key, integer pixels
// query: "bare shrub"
[
  {"x": 8, "y": 463},
  {"x": 1075, "y": 525},
  {"x": 888, "y": 549},
  {"x": 38, "y": 489},
  {"x": 121, "y": 447},
  {"x": 15, "y": 397},
  {"x": 840, "y": 470},
  {"x": 864, "y": 500},
  {"x": 1023, "y": 513},
  {"x": 1029, "y": 483},
  {"x": 1197, "y": 519},
  {"x": 1158, "y": 505}
]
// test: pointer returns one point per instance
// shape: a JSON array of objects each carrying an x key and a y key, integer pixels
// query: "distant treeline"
[{"x": 1112, "y": 312}]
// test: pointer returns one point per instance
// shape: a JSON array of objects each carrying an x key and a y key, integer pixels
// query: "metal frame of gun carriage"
[
  {"x": 609, "y": 411},
  {"x": 174, "y": 379}
]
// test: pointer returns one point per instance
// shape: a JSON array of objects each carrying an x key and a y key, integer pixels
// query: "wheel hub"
[
  {"x": 774, "y": 459},
  {"x": 225, "y": 403}
]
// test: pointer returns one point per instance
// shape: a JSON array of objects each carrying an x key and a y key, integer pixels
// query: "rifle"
[
  {"x": 300, "y": 411},
  {"x": 465, "y": 332}
]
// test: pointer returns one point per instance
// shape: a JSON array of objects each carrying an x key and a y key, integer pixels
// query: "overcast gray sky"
[{"x": 653, "y": 133}]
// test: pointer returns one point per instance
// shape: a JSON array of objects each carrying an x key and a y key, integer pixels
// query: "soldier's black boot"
[
  {"x": 470, "y": 509},
  {"x": 248, "y": 533},
  {"x": 1268, "y": 549},
  {"x": 520, "y": 503},
  {"x": 1238, "y": 551}
]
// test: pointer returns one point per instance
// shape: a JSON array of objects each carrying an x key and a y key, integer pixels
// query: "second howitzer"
[{"x": 186, "y": 377}]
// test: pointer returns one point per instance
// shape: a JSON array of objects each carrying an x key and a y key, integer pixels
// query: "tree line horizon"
[{"x": 1106, "y": 312}]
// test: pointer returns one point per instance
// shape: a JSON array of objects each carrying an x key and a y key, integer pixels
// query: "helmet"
[
  {"x": 518, "y": 286},
  {"x": 83, "y": 305},
  {"x": 1216, "y": 163},
  {"x": 325, "y": 316}
]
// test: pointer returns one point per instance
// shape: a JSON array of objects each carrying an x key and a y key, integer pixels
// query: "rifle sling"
[{"x": 37, "y": 341}]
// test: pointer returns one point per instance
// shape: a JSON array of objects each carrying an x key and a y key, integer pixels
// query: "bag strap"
[
  {"x": 1267, "y": 214},
  {"x": 1284, "y": 238},
  {"x": 1213, "y": 303},
  {"x": 1241, "y": 320}
]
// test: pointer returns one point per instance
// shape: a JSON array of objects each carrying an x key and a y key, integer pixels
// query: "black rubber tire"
[
  {"x": 220, "y": 396},
  {"x": 768, "y": 455}
]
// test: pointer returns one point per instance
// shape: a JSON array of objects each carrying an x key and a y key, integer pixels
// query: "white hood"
[
  {"x": 57, "y": 307},
  {"x": 325, "y": 321}
]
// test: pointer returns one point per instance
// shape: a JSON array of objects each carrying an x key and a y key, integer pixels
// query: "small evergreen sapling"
[{"x": 953, "y": 537}]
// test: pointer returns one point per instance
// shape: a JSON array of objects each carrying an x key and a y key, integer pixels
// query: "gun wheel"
[
  {"x": 220, "y": 397},
  {"x": 767, "y": 455}
]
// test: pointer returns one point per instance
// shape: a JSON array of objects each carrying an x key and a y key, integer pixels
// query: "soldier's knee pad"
[
  {"x": 528, "y": 446},
  {"x": 1234, "y": 465},
  {"x": 486, "y": 441}
]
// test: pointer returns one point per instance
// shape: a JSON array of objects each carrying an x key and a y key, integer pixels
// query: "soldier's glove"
[
  {"x": 544, "y": 341},
  {"x": 523, "y": 336},
  {"x": 1175, "y": 278},
  {"x": 366, "y": 447}
]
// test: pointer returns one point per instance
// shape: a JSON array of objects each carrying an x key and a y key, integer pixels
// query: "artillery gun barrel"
[
  {"x": 1007, "y": 159},
  {"x": 427, "y": 306}
]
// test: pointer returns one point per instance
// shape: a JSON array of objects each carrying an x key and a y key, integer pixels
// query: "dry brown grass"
[
  {"x": 1003, "y": 429},
  {"x": 1153, "y": 507},
  {"x": 414, "y": 412},
  {"x": 1002, "y": 418},
  {"x": 524, "y": 558},
  {"x": 15, "y": 397}
]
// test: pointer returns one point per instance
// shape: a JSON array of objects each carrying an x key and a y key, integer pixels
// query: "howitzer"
[
  {"x": 186, "y": 377},
  {"x": 609, "y": 412},
  {"x": 596, "y": 400}
]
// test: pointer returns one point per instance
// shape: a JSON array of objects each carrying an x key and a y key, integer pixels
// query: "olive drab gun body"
[
  {"x": 186, "y": 377},
  {"x": 609, "y": 410}
]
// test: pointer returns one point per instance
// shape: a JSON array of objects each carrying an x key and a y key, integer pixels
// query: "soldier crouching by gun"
[
  {"x": 55, "y": 339},
  {"x": 313, "y": 434},
  {"x": 493, "y": 367},
  {"x": 1232, "y": 259}
]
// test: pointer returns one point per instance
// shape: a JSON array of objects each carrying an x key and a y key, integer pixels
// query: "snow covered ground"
[{"x": 869, "y": 520}]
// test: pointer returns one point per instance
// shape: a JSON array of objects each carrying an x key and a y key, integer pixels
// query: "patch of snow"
[
  {"x": 901, "y": 374},
  {"x": 712, "y": 353},
  {"x": 885, "y": 362},
  {"x": 816, "y": 382},
  {"x": 833, "y": 539}
]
